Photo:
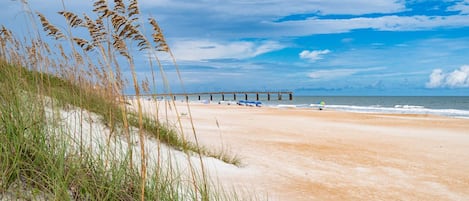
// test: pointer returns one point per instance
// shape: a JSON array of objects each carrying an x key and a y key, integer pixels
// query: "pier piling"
[{"x": 187, "y": 96}]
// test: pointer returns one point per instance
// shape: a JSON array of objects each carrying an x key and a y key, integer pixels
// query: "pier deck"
[{"x": 224, "y": 95}]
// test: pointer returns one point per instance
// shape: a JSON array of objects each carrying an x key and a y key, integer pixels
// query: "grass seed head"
[
  {"x": 50, "y": 29},
  {"x": 119, "y": 6},
  {"x": 100, "y": 6},
  {"x": 133, "y": 8},
  {"x": 72, "y": 19}
]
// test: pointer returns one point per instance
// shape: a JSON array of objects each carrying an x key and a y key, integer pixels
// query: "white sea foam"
[
  {"x": 285, "y": 106},
  {"x": 398, "y": 109},
  {"x": 409, "y": 106}
]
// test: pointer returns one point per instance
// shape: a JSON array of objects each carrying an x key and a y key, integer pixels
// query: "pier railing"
[{"x": 224, "y": 95}]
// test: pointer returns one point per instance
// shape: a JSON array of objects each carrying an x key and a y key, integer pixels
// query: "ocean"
[{"x": 452, "y": 106}]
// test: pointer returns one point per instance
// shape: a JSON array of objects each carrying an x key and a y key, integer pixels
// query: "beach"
[{"x": 307, "y": 154}]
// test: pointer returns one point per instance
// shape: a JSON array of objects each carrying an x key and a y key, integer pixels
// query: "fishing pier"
[{"x": 226, "y": 95}]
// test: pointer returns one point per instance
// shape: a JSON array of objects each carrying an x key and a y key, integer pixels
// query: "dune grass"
[
  {"x": 36, "y": 163},
  {"x": 67, "y": 94},
  {"x": 38, "y": 160}
]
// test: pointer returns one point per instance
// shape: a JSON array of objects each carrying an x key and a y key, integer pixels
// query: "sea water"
[
  {"x": 437, "y": 105},
  {"x": 451, "y": 106}
]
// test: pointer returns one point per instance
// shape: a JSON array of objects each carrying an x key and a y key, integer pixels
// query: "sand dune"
[{"x": 304, "y": 154}]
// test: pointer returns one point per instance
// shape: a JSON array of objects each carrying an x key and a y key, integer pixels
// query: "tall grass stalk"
[{"x": 47, "y": 157}]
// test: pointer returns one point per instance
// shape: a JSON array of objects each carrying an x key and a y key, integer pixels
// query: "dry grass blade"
[
  {"x": 108, "y": 13},
  {"x": 128, "y": 31},
  {"x": 100, "y": 6},
  {"x": 80, "y": 42},
  {"x": 120, "y": 45},
  {"x": 100, "y": 3},
  {"x": 84, "y": 44},
  {"x": 46, "y": 47},
  {"x": 6, "y": 33},
  {"x": 49, "y": 28},
  {"x": 146, "y": 85},
  {"x": 100, "y": 25},
  {"x": 72, "y": 19},
  {"x": 143, "y": 43},
  {"x": 119, "y": 6},
  {"x": 158, "y": 37},
  {"x": 96, "y": 30},
  {"x": 62, "y": 52},
  {"x": 133, "y": 8},
  {"x": 118, "y": 21},
  {"x": 5, "y": 37},
  {"x": 32, "y": 54}
]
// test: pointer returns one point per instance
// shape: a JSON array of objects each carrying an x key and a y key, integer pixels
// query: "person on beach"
[{"x": 322, "y": 104}]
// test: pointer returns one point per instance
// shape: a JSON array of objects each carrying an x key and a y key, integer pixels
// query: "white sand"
[
  {"x": 86, "y": 129},
  {"x": 303, "y": 154}
]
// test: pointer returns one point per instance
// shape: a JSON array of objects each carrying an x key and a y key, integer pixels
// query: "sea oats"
[
  {"x": 50, "y": 29},
  {"x": 72, "y": 19},
  {"x": 119, "y": 6},
  {"x": 120, "y": 45},
  {"x": 6, "y": 33},
  {"x": 158, "y": 37},
  {"x": 100, "y": 6},
  {"x": 118, "y": 21},
  {"x": 96, "y": 30},
  {"x": 133, "y": 8},
  {"x": 84, "y": 44}
]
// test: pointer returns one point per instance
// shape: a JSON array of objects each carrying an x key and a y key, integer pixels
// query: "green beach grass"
[{"x": 38, "y": 158}]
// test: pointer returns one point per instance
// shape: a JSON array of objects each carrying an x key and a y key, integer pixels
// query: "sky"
[{"x": 311, "y": 47}]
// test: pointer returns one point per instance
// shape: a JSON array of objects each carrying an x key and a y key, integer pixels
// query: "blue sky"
[{"x": 333, "y": 47}]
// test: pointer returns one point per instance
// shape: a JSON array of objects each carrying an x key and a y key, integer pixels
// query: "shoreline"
[
  {"x": 440, "y": 106},
  {"x": 305, "y": 154}
]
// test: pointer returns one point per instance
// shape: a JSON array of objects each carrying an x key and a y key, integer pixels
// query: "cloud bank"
[
  {"x": 458, "y": 78},
  {"x": 462, "y": 7},
  {"x": 277, "y": 18},
  {"x": 202, "y": 50}
]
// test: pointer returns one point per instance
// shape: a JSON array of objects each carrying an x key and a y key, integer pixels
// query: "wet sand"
[{"x": 307, "y": 154}]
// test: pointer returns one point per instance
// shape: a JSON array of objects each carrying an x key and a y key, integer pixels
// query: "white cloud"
[
  {"x": 459, "y": 78},
  {"x": 278, "y": 8},
  {"x": 385, "y": 23},
  {"x": 256, "y": 18},
  {"x": 436, "y": 78},
  {"x": 462, "y": 7},
  {"x": 252, "y": 18},
  {"x": 199, "y": 50},
  {"x": 313, "y": 55},
  {"x": 336, "y": 73}
]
